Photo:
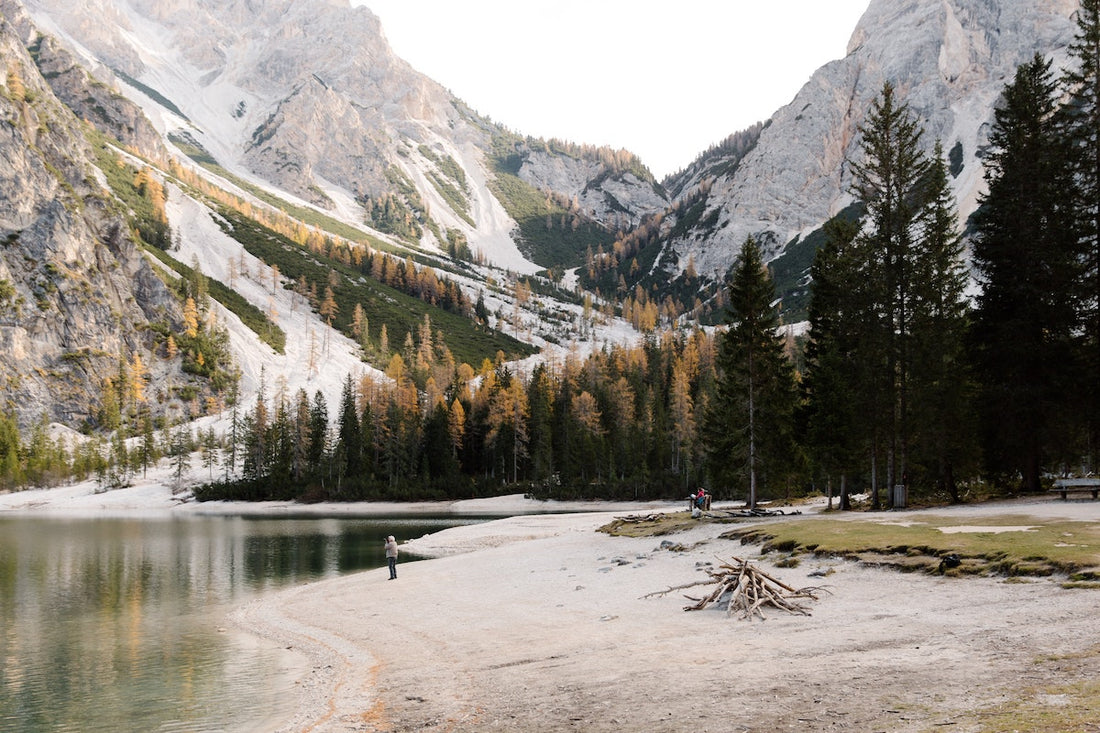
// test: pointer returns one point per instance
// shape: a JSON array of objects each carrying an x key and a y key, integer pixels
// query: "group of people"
[{"x": 700, "y": 501}]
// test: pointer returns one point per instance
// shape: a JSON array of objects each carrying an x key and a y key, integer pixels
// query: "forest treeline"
[
  {"x": 904, "y": 380},
  {"x": 616, "y": 422},
  {"x": 904, "y": 383}
]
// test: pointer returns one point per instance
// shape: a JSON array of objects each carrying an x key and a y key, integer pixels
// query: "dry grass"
[
  {"x": 1025, "y": 547},
  {"x": 1066, "y": 697}
]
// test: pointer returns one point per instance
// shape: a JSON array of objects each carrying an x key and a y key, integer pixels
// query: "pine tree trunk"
[
  {"x": 875, "y": 503},
  {"x": 752, "y": 437}
]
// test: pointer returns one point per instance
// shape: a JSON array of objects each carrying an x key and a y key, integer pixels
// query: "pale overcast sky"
[{"x": 665, "y": 80}]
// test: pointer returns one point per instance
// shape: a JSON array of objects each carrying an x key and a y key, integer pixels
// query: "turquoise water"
[{"x": 119, "y": 624}]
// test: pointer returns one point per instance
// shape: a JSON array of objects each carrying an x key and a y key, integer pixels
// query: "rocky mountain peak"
[{"x": 948, "y": 59}]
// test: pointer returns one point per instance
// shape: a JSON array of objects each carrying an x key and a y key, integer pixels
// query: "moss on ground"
[{"x": 1007, "y": 545}]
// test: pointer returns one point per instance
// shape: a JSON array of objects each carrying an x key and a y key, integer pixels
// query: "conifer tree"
[
  {"x": 282, "y": 442},
  {"x": 439, "y": 459},
  {"x": 1024, "y": 252},
  {"x": 318, "y": 431},
  {"x": 190, "y": 318},
  {"x": 10, "y": 469},
  {"x": 682, "y": 410},
  {"x": 540, "y": 401},
  {"x": 941, "y": 382},
  {"x": 146, "y": 449},
  {"x": 835, "y": 385},
  {"x": 888, "y": 181},
  {"x": 302, "y": 435},
  {"x": 749, "y": 424},
  {"x": 349, "y": 440},
  {"x": 1081, "y": 127},
  {"x": 255, "y": 432}
]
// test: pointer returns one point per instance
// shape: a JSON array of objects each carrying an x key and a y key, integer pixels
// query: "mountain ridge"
[
  {"x": 948, "y": 60},
  {"x": 304, "y": 100}
]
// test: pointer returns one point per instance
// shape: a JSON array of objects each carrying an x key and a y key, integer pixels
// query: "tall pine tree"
[
  {"x": 834, "y": 386},
  {"x": 1025, "y": 254},
  {"x": 349, "y": 438},
  {"x": 941, "y": 384},
  {"x": 889, "y": 182},
  {"x": 749, "y": 424},
  {"x": 1081, "y": 127}
]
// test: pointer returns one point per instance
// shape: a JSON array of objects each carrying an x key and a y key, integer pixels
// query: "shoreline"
[
  {"x": 539, "y": 623},
  {"x": 153, "y": 497}
]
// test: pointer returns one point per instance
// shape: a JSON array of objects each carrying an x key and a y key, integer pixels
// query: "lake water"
[{"x": 119, "y": 624}]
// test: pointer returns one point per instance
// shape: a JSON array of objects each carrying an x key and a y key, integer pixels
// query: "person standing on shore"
[{"x": 391, "y": 556}]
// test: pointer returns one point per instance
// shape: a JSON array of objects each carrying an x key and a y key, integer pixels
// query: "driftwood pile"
[
  {"x": 744, "y": 589},
  {"x": 754, "y": 512},
  {"x": 635, "y": 519}
]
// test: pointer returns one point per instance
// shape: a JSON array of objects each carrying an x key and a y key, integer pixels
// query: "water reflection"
[{"x": 112, "y": 624}]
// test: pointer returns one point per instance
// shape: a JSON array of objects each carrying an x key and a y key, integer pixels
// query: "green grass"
[
  {"x": 150, "y": 92},
  {"x": 655, "y": 526},
  {"x": 447, "y": 165},
  {"x": 129, "y": 201},
  {"x": 455, "y": 198},
  {"x": 311, "y": 216},
  {"x": 1057, "y": 692},
  {"x": 556, "y": 245},
  {"x": 1046, "y": 548},
  {"x": 915, "y": 542}
]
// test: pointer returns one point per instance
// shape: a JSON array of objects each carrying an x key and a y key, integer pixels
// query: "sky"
[{"x": 665, "y": 80}]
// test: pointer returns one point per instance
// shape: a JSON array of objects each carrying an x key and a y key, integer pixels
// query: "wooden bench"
[{"x": 1064, "y": 486}]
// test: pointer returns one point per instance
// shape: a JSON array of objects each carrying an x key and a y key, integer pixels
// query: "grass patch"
[
  {"x": 189, "y": 147},
  {"x": 923, "y": 542},
  {"x": 549, "y": 233},
  {"x": 1082, "y": 584},
  {"x": 148, "y": 91},
  {"x": 654, "y": 525}
]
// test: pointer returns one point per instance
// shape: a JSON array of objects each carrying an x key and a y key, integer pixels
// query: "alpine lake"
[{"x": 120, "y": 624}]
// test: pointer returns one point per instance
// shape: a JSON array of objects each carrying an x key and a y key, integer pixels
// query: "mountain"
[
  {"x": 948, "y": 59},
  {"x": 75, "y": 290},
  {"x": 308, "y": 97},
  {"x": 228, "y": 191},
  {"x": 403, "y": 202}
]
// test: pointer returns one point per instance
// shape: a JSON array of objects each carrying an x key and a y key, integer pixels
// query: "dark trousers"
[{"x": 393, "y": 567}]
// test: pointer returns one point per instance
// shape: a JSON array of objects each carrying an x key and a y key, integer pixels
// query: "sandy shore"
[{"x": 537, "y": 623}]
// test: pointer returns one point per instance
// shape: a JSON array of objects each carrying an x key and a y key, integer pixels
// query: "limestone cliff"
[
  {"x": 75, "y": 292},
  {"x": 949, "y": 60},
  {"x": 308, "y": 97}
]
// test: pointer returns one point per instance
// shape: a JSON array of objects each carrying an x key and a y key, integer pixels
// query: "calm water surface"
[{"x": 119, "y": 624}]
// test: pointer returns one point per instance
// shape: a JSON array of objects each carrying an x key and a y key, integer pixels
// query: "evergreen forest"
[{"x": 906, "y": 379}]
